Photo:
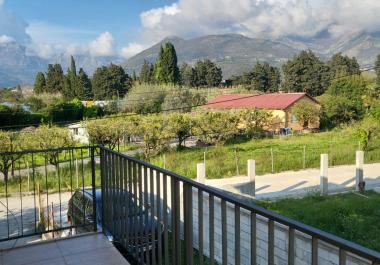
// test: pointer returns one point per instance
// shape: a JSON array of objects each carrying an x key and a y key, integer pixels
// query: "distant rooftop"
[{"x": 265, "y": 101}]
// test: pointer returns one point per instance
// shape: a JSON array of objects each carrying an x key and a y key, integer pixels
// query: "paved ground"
[
  {"x": 26, "y": 224},
  {"x": 92, "y": 249},
  {"x": 297, "y": 183}
]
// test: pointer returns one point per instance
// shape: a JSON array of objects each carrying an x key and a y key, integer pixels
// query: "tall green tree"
[
  {"x": 188, "y": 76},
  {"x": 341, "y": 66},
  {"x": 55, "y": 80},
  {"x": 147, "y": 73},
  {"x": 166, "y": 68},
  {"x": 40, "y": 83},
  {"x": 306, "y": 73},
  {"x": 265, "y": 78},
  {"x": 110, "y": 82},
  {"x": 84, "y": 87},
  {"x": 377, "y": 68},
  {"x": 207, "y": 74},
  {"x": 72, "y": 81}
]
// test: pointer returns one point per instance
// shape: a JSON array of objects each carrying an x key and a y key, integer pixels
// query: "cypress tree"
[
  {"x": 84, "y": 86},
  {"x": 55, "y": 80},
  {"x": 377, "y": 69},
  {"x": 40, "y": 83},
  {"x": 167, "y": 71}
]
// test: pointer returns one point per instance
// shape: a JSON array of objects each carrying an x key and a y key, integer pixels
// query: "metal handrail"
[{"x": 341, "y": 243}]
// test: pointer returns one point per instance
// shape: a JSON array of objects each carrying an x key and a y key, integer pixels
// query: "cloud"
[
  {"x": 131, "y": 49},
  {"x": 103, "y": 45},
  {"x": 13, "y": 26},
  {"x": 6, "y": 39},
  {"x": 260, "y": 18}
]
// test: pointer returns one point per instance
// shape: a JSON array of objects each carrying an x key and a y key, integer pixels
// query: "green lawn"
[
  {"x": 350, "y": 216},
  {"x": 289, "y": 153}
]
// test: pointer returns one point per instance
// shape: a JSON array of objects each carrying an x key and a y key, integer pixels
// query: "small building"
[
  {"x": 79, "y": 133},
  {"x": 279, "y": 104}
]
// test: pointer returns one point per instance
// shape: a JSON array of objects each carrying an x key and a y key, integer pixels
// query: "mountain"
[
  {"x": 232, "y": 52},
  {"x": 16, "y": 66},
  {"x": 236, "y": 53}
]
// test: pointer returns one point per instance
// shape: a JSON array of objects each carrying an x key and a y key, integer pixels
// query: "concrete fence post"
[
  {"x": 252, "y": 176},
  {"x": 324, "y": 173},
  {"x": 201, "y": 173},
  {"x": 359, "y": 168}
]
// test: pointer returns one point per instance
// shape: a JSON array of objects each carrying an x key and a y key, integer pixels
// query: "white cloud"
[
  {"x": 103, "y": 45},
  {"x": 260, "y": 18},
  {"x": 12, "y": 25},
  {"x": 131, "y": 49},
  {"x": 5, "y": 39}
]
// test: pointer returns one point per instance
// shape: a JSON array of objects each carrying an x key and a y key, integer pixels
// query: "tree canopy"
[
  {"x": 166, "y": 69},
  {"x": 306, "y": 73}
]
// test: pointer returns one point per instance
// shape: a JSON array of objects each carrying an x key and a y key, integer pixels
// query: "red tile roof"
[{"x": 265, "y": 101}]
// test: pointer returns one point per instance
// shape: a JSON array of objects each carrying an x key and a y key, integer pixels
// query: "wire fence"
[{"x": 222, "y": 162}]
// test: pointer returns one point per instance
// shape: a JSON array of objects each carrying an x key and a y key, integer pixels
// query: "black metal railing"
[
  {"x": 164, "y": 218},
  {"x": 37, "y": 188}
]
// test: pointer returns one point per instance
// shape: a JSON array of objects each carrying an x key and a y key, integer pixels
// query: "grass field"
[
  {"x": 288, "y": 153},
  {"x": 351, "y": 216}
]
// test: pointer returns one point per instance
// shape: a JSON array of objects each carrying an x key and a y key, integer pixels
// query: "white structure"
[{"x": 79, "y": 133}]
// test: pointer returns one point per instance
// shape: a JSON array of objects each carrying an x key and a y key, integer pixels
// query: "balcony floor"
[{"x": 88, "y": 249}]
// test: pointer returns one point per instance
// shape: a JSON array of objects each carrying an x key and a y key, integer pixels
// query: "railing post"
[
  {"x": 359, "y": 169},
  {"x": 188, "y": 223},
  {"x": 252, "y": 176},
  {"x": 324, "y": 173},
  {"x": 93, "y": 176},
  {"x": 201, "y": 173}
]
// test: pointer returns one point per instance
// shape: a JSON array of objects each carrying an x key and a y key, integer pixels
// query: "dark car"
[{"x": 80, "y": 215}]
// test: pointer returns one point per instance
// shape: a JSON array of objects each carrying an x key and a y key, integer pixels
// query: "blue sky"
[
  {"x": 86, "y": 19},
  {"x": 126, "y": 27}
]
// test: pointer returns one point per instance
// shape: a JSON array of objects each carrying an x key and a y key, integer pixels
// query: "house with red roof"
[{"x": 279, "y": 104}]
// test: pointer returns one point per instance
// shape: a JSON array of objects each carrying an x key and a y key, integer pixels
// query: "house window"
[
  {"x": 294, "y": 119},
  {"x": 75, "y": 131}
]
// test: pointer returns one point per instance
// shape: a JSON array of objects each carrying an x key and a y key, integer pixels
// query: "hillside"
[{"x": 236, "y": 53}]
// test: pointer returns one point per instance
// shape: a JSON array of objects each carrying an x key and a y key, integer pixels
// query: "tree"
[
  {"x": 40, "y": 83},
  {"x": 306, "y": 73},
  {"x": 341, "y": 66},
  {"x": 71, "y": 81},
  {"x": 188, "y": 75},
  {"x": 147, "y": 73},
  {"x": 181, "y": 126},
  {"x": 182, "y": 100},
  {"x": 265, "y": 78},
  {"x": 107, "y": 132},
  {"x": 254, "y": 121},
  {"x": 145, "y": 98},
  {"x": 110, "y": 82},
  {"x": 166, "y": 69},
  {"x": 55, "y": 79},
  {"x": 377, "y": 69},
  {"x": 155, "y": 132},
  {"x": 207, "y": 74},
  {"x": 366, "y": 131},
  {"x": 84, "y": 87},
  {"x": 337, "y": 110},
  {"x": 50, "y": 137},
  {"x": 352, "y": 87},
  {"x": 305, "y": 113},
  {"x": 9, "y": 142},
  {"x": 216, "y": 127}
]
